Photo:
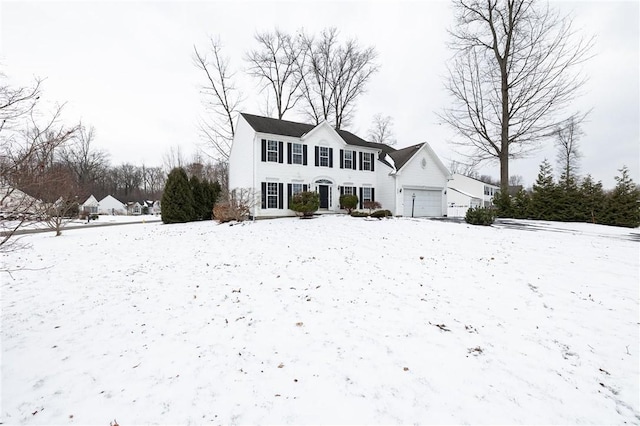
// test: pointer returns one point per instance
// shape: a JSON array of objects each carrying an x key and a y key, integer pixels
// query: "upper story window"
[
  {"x": 367, "y": 161},
  {"x": 324, "y": 156},
  {"x": 272, "y": 151},
  {"x": 348, "y": 159},
  {"x": 296, "y": 153}
]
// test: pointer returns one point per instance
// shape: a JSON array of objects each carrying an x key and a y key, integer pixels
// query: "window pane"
[{"x": 272, "y": 151}]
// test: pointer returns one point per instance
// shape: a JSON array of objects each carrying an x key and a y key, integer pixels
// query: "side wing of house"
[
  {"x": 242, "y": 156},
  {"x": 421, "y": 184}
]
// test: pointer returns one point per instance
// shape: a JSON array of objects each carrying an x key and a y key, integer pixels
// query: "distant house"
[
  {"x": 134, "y": 208},
  {"x": 464, "y": 193},
  {"x": 89, "y": 207},
  {"x": 278, "y": 158},
  {"x": 111, "y": 206},
  {"x": 155, "y": 209}
]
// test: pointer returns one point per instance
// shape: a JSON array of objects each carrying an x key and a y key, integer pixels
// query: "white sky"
[{"x": 126, "y": 68}]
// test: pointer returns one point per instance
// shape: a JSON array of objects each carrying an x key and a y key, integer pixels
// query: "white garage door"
[{"x": 425, "y": 204}]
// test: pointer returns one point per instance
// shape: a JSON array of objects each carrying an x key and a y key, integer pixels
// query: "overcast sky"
[{"x": 126, "y": 68}]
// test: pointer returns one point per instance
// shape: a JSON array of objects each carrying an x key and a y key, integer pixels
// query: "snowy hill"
[{"x": 330, "y": 320}]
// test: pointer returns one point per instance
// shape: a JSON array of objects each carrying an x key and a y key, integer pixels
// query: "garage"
[{"x": 426, "y": 203}]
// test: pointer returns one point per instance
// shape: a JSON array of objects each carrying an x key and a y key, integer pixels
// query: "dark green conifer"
[{"x": 177, "y": 199}]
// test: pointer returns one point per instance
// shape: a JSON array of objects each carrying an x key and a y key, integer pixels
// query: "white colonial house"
[
  {"x": 465, "y": 192},
  {"x": 278, "y": 158},
  {"x": 111, "y": 206}
]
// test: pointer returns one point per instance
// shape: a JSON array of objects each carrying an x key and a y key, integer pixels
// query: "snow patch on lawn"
[{"x": 330, "y": 320}]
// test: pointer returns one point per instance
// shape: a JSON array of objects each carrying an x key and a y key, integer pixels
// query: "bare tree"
[
  {"x": 516, "y": 180},
  {"x": 27, "y": 147},
  {"x": 465, "y": 169},
  {"x": 220, "y": 97},
  {"x": 381, "y": 130},
  {"x": 275, "y": 63},
  {"x": 81, "y": 157},
  {"x": 335, "y": 76},
  {"x": 567, "y": 142},
  {"x": 511, "y": 77},
  {"x": 173, "y": 158},
  {"x": 59, "y": 195}
]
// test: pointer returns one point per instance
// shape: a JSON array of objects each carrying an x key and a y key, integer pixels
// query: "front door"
[{"x": 324, "y": 196}]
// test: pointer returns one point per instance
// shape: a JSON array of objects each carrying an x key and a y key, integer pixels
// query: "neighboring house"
[
  {"x": 134, "y": 208},
  {"x": 155, "y": 209},
  {"x": 111, "y": 206},
  {"x": 278, "y": 158},
  {"x": 464, "y": 193},
  {"x": 15, "y": 204},
  {"x": 90, "y": 206}
]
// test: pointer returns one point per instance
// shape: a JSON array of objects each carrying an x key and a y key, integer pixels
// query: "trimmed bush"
[
  {"x": 305, "y": 203},
  {"x": 480, "y": 216},
  {"x": 381, "y": 213},
  {"x": 349, "y": 202}
]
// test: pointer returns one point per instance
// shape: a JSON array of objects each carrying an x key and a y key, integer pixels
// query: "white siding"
[
  {"x": 242, "y": 156},
  {"x": 285, "y": 173},
  {"x": 386, "y": 188},
  {"x": 422, "y": 172}
]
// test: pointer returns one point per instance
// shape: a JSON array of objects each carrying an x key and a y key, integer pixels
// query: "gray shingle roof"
[
  {"x": 401, "y": 156},
  {"x": 294, "y": 129}
]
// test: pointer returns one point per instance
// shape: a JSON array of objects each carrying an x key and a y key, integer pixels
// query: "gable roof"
[
  {"x": 294, "y": 129},
  {"x": 291, "y": 128},
  {"x": 401, "y": 156}
]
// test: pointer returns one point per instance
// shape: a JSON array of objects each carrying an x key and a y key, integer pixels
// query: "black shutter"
[
  {"x": 289, "y": 195},
  {"x": 360, "y": 161},
  {"x": 342, "y": 158},
  {"x": 317, "y": 156},
  {"x": 353, "y": 162},
  {"x": 360, "y": 200},
  {"x": 280, "y": 195},
  {"x": 264, "y": 194},
  {"x": 373, "y": 160},
  {"x": 373, "y": 194},
  {"x": 288, "y": 152},
  {"x": 341, "y": 189},
  {"x": 264, "y": 150},
  {"x": 304, "y": 155},
  {"x": 280, "y": 152},
  {"x": 330, "y": 157}
]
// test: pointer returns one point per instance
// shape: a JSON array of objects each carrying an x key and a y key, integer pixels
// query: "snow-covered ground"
[
  {"x": 329, "y": 320},
  {"x": 79, "y": 223}
]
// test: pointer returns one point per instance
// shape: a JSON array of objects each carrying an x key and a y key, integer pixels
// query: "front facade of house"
[
  {"x": 111, "y": 206},
  {"x": 90, "y": 206},
  {"x": 465, "y": 192},
  {"x": 277, "y": 159}
]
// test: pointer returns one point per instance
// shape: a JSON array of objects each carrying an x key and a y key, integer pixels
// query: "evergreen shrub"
[
  {"x": 305, "y": 203},
  {"x": 480, "y": 216}
]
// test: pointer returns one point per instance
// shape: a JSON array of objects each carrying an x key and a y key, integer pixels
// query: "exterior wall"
[
  {"x": 110, "y": 205},
  {"x": 284, "y": 173},
  {"x": 386, "y": 188},
  {"x": 475, "y": 188},
  {"x": 242, "y": 156},
  {"x": 458, "y": 203},
  {"x": 423, "y": 171}
]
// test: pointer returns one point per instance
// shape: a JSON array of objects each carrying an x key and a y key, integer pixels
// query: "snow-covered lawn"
[{"x": 330, "y": 320}]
